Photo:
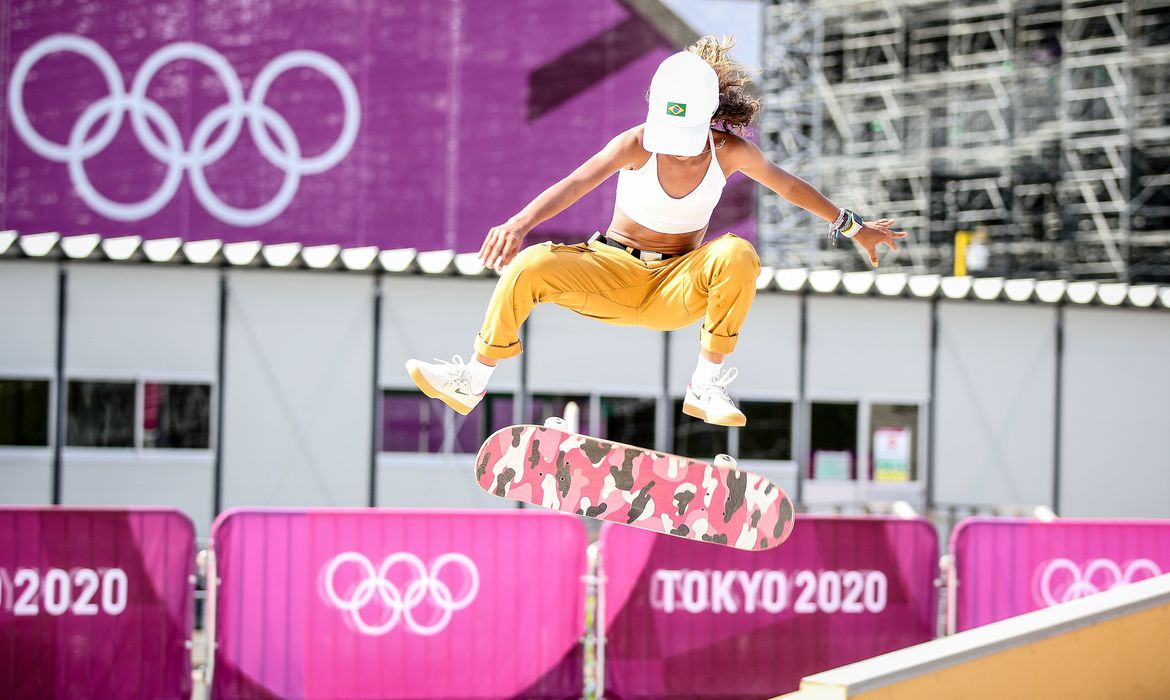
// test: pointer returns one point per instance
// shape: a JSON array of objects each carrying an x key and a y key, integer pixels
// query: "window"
[
  {"x": 493, "y": 413},
  {"x": 411, "y": 422},
  {"x": 24, "y": 412},
  {"x": 893, "y": 436},
  {"x": 176, "y": 416},
  {"x": 548, "y": 405},
  {"x": 768, "y": 433},
  {"x": 628, "y": 420},
  {"x": 101, "y": 414},
  {"x": 695, "y": 439},
  {"x": 833, "y": 439}
]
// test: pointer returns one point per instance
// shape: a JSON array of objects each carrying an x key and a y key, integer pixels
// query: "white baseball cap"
[{"x": 684, "y": 95}]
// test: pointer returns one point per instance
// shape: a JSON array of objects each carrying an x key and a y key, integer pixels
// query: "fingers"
[
  {"x": 486, "y": 249},
  {"x": 487, "y": 246},
  {"x": 496, "y": 258},
  {"x": 511, "y": 247}
]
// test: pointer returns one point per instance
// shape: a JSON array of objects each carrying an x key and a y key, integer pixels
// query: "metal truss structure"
[{"x": 1042, "y": 126}]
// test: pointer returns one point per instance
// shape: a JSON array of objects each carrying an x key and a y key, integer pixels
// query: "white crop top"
[{"x": 640, "y": 196}]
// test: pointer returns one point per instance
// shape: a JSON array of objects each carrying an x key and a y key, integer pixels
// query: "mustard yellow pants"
[{"x": 716, "y": 281}]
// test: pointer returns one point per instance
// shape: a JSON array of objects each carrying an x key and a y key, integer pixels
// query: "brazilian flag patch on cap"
[{"x": 675, "y": 109}]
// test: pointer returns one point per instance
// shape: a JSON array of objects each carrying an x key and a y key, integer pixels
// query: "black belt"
[{"x": 643, "y": 255}]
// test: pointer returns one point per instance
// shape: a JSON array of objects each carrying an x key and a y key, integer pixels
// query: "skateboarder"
[{"x": 650, "y": 267}]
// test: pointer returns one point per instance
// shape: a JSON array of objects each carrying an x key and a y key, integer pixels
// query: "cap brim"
[{"x": 675, "y": 139}]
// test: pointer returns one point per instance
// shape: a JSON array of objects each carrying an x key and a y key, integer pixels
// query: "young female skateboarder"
[{"x": 650, "y": 268}]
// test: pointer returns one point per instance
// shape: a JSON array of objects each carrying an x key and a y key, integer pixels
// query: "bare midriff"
[{"x": 625, "y": 230}]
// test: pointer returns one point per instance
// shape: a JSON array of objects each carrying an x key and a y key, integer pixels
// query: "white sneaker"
[
  {"x": 449, "y": 382},
  {"x": 711, "y": 404}
]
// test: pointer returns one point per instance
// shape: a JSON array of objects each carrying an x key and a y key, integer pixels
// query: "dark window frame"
[
  {"x": 790, "y": 404},
  {"x": 50, "y": 411},
  {"x": 855, "y": 469},
  {"x": 212, "y": 423},
  {"x": 480, "y": 417},
  {"x": 601, "y": 397},
  {"x": 138, "y": 436}
]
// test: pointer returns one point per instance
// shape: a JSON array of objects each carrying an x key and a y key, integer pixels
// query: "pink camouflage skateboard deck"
[{"x": 634, "y": 486}]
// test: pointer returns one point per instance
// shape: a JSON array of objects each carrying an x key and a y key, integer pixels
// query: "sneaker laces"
[
  {"x": 718, "y": 386},
  {"x": 455, "y": 373}
]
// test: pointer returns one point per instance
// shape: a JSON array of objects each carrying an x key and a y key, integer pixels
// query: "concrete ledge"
[{"x": 1078, "y": 649}]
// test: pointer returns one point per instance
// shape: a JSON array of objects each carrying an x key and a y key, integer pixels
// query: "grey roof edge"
[{"x": 898, "y": 284}]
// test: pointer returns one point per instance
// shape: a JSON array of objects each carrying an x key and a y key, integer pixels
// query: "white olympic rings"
[
  {"x": 1083, "y": 583},
  {"x": 400, "y": 603},
  {"x": 203, "y": 151}
]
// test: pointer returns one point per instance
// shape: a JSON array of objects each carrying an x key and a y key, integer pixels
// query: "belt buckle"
[{"x": 649, "y": 256}]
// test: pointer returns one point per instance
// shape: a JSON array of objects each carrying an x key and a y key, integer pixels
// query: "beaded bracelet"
[{"x": 840, "y": 220}]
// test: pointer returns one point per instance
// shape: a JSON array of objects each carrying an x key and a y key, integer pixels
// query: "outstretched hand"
[
  {"x": 500, "y": 246},
  {"x": 877, "y": 233}
]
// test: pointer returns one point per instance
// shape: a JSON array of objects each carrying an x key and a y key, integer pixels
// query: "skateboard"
[{"x": 550, "y": 467}]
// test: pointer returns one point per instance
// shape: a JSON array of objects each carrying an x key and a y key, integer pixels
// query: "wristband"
[
  {"x": 852, "y": 225},
  {"x": 846, "y": 226}
]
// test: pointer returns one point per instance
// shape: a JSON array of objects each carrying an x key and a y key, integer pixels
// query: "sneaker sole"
[
  {"x": 421, "y": 381},
  {"x": 730, "y": 422}
]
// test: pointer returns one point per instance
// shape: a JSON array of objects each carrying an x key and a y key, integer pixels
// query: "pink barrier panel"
[
  {"x": 95, "y": 603},
  {"x": 1009, "y": 566},
  {"x": 383, "y": 604},
  {"x": 693, "y": 620}
]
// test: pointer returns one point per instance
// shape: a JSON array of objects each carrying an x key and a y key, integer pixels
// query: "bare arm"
[
  {"x": 749, "y": 160},
  {"x": 503, "y": 241}
]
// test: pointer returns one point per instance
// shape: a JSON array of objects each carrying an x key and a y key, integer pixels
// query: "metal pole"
[
  {"x": 802, "y": 436},
  {"x": 62, "y": 288},
  {"x": 664, "y": 417},
  {"x": 520, "y": 405},
  {"x": 1059, "y": 413},
  {"x": 221, "y": 373},
  {"x": 931, "y": 442},
  {"x": 376, "y": 389}
]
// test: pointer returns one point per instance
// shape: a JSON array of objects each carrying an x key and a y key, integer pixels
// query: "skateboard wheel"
[
  {"x": 557, "y": 423},
  {"x": 725, "y": 461}
]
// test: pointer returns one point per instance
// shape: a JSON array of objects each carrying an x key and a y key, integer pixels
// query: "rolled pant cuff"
[
  {"x": 497, "y": 352},
  {"x": 722, "y": 344}
]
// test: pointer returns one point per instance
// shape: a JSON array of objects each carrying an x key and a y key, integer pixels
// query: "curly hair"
[{"x": 737, "y": 105}]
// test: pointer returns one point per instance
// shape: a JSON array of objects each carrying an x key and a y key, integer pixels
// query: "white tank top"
[{"x": 640, "y": 196}]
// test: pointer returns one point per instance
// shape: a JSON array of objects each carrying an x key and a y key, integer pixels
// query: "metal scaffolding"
[{"x": 1041, "y": 126}]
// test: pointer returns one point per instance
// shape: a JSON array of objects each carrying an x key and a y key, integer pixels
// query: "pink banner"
[
  {"x": 1009, "y": 566},
  {"x": 353, "y": 604},
  {"x": 95, "y": 603},
  {"x": 692, "y": 620}
]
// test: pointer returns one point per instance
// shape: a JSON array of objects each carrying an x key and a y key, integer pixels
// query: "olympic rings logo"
[
  {"x": 1061, "y": 580},
  {"x": 203, "y": 151},
  {"x": 401, "y": 604}
]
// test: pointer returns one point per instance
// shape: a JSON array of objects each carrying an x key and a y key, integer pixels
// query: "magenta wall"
[
  {"x": 372, "y": 604},
  {"x": 693, "y": 620},
  {"x": 1008, "y": 566},
  {"x": 95, "y": 603},
  {"x": 460, "y": 112}
]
